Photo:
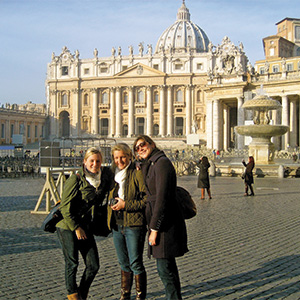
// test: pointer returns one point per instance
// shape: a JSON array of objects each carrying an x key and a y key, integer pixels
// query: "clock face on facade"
[{"x": 65, "y": 56}]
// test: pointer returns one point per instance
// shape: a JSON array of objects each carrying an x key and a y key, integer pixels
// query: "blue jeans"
[
  {"x": 129, "y": 244},
  {"x": 71, "y": 247},
  {"x": 168, "y": 273}
]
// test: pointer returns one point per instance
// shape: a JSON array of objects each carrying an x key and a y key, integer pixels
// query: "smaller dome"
[{"x": 183, "y": 34}]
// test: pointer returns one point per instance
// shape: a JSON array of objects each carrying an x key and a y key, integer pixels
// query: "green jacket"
[
  {"x": 78, "y": 198},
  {"x": 135, "y": 197}
]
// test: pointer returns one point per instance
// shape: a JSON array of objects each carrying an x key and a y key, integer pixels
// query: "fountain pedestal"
[{"x": 261, "y": 147}]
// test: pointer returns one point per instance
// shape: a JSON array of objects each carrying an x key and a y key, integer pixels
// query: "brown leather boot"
[
  {"x": 74, "y": 296},
  {"x": 126, "y": 284},
  {"x": 141, "y": 286}
]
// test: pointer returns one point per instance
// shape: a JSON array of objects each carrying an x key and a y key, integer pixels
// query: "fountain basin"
[{"x": 261, "y": 131}]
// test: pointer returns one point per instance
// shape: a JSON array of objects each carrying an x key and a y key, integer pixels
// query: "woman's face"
[
  {"x": 93, "y": 163},
  {"x": 121, "y": 159},
  {"x": 143, "y": 149}
]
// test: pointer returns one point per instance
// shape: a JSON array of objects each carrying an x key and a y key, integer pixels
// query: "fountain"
[{"x": 261, "y": 147}]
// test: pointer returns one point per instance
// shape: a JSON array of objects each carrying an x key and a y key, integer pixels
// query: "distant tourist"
[
  {"x": 203, "y": 178},
  {"x": 248, "y": 175}
]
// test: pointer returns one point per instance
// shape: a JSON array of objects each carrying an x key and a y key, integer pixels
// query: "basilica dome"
[{"x": 183, "y": 35}]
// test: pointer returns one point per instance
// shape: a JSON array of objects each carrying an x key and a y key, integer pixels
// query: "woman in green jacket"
[
  {"x": 81, "y": 191},
  {"x": 127, "y": 221}
]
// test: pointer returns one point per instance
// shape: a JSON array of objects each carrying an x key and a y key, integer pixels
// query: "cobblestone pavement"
[{"x": 240, "y": 247}]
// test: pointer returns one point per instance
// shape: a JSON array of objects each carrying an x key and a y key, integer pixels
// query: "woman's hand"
[
  {"x": 119, "y": 205},
  {"x": 152, "y": 238},
  {"x": 80, "y": 233}
]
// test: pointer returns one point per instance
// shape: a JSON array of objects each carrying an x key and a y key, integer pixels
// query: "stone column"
[
  {"x": 54, "y": 118},
  {"x": 94, "y": 123},
  {"x": 118, "y": 112},
  {"x": 112, "y": 112},
  {"x": 76, "y": 113},
  {"x": 130, "y": 112},
  {"x": 209, "y": 124},
  {"x": 285, "y": 120},
  {"x": 293, "y": 123},
  {"x": 216, "y": 125},
  {"x": 188, "y": 110},
  {"x": 226, "y": 128},
  {"x": 240, "y": 121},
  {"x": 170, "y": 123},
  {"x": 149, "y": 129},
  {"x": 162, "y": 107}
]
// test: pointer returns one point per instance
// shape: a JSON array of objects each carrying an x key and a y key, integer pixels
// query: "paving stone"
[{"x": 240, "y": 247}]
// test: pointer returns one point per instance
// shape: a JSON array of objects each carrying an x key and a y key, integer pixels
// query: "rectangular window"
[
  {"x": 104, "y": 70},
  {"x": 11, "y": 130},
  {"x": 2, "y": 131},
  {"x": 199, "y": 66},
  {"x": 28, "y": 131},
  {"x": 275, "y": 69},
  {"x": 64, "y": 71},
  {"x": 86, "y": 71},
  {"x": 297, "y": 32},
  {"x": 124, "y": 68},
  {"x": 272, "y": 51},
  {"x": 155, "y": 67},
  {"x": 261, "y": 70},
  {"x": 290, "y": 67},
  {"x": 178, "y": 66}
]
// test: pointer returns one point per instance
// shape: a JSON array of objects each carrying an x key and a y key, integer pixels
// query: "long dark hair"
[{"x": 205, "y": 161}]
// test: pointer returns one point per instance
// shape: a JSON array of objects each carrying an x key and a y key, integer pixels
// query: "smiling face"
[
  {"x": 121, "y": 159},
  {"x": 93, "y": 163},
  {"x": 143, "y": 148}
]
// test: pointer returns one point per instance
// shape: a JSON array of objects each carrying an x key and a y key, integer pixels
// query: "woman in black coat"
[
  {"x": 248, "y": 175},
  {"x": 166, "y": 225},
  {"x": 203, "y": 178}
]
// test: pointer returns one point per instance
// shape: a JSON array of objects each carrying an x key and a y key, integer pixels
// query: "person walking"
[
  {"x": 166, "y": 226},
  {"x": 127, "y": 220},
  {"x": 248, "y": 175},
  {"x": 203, "y": 177},
  {"x": 81, "y": 191}
]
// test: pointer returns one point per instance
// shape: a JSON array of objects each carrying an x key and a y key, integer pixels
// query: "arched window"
[
  {"x": 140, "y": 97},
  {"x": 179, "y": 96},
  {"x": 179, "y": 126},
  {"x": 140, "y": 122},
  {"x": 64, "y": 100},
  {"x": 156, "y": 97},
  {"x": 125, "y": 98},
  {"x": 104, "y": 127},
  {"x": 155, "y": 129},
  {"x": 125, "y": 130},
  {"x": 85, "y": 99},
  {"x": 104, "y": 99}
]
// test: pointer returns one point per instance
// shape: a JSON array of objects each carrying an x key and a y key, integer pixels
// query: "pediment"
[{"x": 139, "y": 70}]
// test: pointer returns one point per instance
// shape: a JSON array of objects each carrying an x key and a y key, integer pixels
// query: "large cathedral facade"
[{"x": 184, "y": 85}]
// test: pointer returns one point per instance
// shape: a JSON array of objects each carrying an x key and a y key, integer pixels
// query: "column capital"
[{"x": 76, "y": 91}]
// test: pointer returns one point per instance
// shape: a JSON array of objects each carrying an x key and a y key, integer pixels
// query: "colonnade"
[
  {"x": 219, "y": 131},
  {"x": 119, "y": 113}
]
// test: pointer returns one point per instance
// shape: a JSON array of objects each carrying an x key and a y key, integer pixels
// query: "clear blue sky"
[{"x": 30, "y": 30}]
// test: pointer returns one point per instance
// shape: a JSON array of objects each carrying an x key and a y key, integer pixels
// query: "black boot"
[
  {"x": 141, "y": 286},
  {"x": 126, "y": 284},
  {"x": 251, "y": 189}
]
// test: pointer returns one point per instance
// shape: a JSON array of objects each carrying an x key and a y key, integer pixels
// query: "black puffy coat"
[{"x": 162, "y": 211}]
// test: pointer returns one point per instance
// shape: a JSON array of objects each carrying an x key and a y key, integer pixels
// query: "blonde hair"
[
  {"x": 91, "y": 151},
  {"x": 120, "y": 147}
]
